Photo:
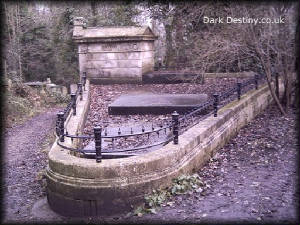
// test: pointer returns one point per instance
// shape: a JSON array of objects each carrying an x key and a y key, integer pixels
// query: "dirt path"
[{"x": 23, "y": 161}]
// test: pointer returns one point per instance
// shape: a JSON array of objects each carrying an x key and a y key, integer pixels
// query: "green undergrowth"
[
  {"x": 21, "y": 102},
  {"x": 162, "y": 197}
]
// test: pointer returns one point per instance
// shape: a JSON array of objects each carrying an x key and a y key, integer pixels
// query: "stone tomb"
[
  {"x": 149, "y": 103},
  {"x": 114, "y": 54}
]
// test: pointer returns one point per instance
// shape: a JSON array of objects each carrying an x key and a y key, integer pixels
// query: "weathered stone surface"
[
  {"x": 171, "y": 77},
  {"x": 174, "y": 76},
  {"x": 114, "y": 73},
  {"x": 111, "y": 64},
  {"x": 113, "y": 56},
  {"x": 82, "y": 187},
  {"x": 41, "y": 87},
  {"x": 106, "y": 53},
  {"x": 149, "y": 103}
]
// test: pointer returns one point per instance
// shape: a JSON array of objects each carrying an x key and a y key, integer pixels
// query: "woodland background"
[{"x": 37, "y": 37}]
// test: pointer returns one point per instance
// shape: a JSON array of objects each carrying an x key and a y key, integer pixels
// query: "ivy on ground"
[{"x": 180, "y": 185}]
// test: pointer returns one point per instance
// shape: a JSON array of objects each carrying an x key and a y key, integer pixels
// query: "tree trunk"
[
  {"x": 93, "y": 8},
  {"x": 266, "y": 66},
  {"x": 169, "y": 47},
  {"x": 18, "y": 34}
]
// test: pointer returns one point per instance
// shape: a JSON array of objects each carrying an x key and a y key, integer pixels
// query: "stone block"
[
  {"x": 116, "y": 47},
  {"x": 120, "y": 73},
  {"x": 149, "y": 103},
  {"x": 103, "y": 48},
  {"x": 113, "y": 56},
  {"x": 147, "y": 54},
  {"x": 104, "y": 64},
  {"x": 146, "y": 46},
  {"x": 147, "y": 65}
]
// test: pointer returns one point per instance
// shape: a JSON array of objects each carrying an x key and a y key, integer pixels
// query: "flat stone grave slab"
[{"x": 150, "y": 103}]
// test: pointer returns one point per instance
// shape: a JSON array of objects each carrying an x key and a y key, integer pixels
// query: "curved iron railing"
[{"x": 170, "y": 131}]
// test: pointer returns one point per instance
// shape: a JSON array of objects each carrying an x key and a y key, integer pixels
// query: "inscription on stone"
[
  {"x": 120, "y": 47},
  {"x": 108, "y": 47}
]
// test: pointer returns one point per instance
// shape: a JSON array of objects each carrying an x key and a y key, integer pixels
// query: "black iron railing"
[
  {"x": 143, "y": 137},
  {"x": 101, "y": 134},
  {"x": 63, "y": 115}
]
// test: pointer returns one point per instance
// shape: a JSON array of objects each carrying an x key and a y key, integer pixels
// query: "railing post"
[
  {"x": 239, "y": 85},
  {"x": 216, "y": 102},
  {"x": 73, "y": 99},
  {"x": 84, "y": 79},
  {"x": 79, "y": 87},
  {"x": 175, "y": 124},
  {"x": 97, "y": 133},
  {"x": 60, "y": 128},
  {"x": 256, "y": 81},
  {"x": 277, "y": 85}
]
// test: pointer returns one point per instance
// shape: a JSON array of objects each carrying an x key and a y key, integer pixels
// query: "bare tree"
[
  {"x": 14, "y": 32},
  {"x": 267, "y": 48},
  {"x": 273, "y": 44}
]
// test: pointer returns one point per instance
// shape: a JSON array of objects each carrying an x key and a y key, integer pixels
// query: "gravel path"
[{"x": 23, "y": 164}]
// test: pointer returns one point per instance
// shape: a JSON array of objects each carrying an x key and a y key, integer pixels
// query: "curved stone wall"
[{"x": 82, "y": 187}]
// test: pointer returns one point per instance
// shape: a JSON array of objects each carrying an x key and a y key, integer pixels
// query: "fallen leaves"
[
  {"x": 170, "y": 203},
  {"x": 255, "y": 184},
  {"x": 103, "y": 95},
  {"x": 183, "y": 184}
]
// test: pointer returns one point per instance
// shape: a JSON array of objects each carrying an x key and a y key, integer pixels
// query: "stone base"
[
  {"x": 82, "y": 187},
  {"x": 42, "y": 212},
  {"x": 85, "y": 199}
]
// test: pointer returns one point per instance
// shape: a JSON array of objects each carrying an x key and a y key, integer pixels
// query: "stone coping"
[
  {"x": 112, "y": 39},
  {"x": 82, "y": 187},
  {"x": 83, "y": 34},
  {"x": 102, "y": 35},
  {"x": 169, "y": 76},
  {"x": 75, "y": 124},
  {"x": 244, "y": 74}
]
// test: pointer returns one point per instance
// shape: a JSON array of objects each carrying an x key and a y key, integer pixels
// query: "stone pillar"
[
  {"x": 82, "y": 48},
  {"x": 82, "y": 52}
]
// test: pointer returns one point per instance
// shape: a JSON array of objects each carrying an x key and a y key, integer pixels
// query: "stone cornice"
[{"x": 81, "y": 39}]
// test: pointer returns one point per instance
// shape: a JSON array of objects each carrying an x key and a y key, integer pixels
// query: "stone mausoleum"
[{"x": 114, "y": 54}]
